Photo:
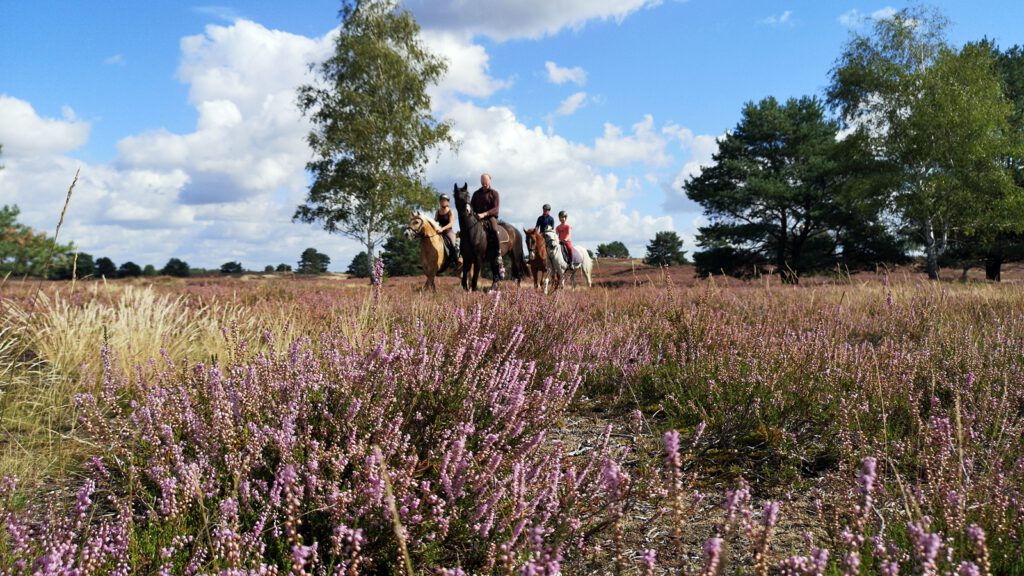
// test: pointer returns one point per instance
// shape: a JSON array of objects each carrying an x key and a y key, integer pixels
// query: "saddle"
[
  {"x": 451, "y": 255},
  {"x": 504, "y": 240}
]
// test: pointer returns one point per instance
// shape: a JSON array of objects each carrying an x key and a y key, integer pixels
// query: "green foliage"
[
  {"x": 313, "y": 262},
  {"x": 401, "y": 256},
  {"x": 665, "y": 249},
  {"x": 105, "y": 267},
  {"x": 149, "y": 270},
  {"x": 284, "y": 268},
  {"x": 23, "y": 251},
  {"x": 234, "y": 268},
  {"x": 614, "y": 249},
  {"x": 779, "y": 192},
  {"x": 85, "y": 266},
  {"x": 176, "y": 267},
  {"x": 129, "y": 270},
  {"x": 940, "y": 121},
  {"x": 360, "y": 266},
  {"x": 373, "y": 128}
]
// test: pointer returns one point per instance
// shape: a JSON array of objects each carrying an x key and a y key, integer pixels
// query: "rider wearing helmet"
[
  {"x": 564, "y": 232},
  {"x": 445, "y": 218},
  {"x": 545, "y": 222}
]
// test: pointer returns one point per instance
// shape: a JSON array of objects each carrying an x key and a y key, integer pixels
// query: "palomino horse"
[
  {"x": 559, "y": 267},
  {"x": 538, "y": 250},
  {"x": 431, "y": 247},
  {"x": 473, "y": 241}
]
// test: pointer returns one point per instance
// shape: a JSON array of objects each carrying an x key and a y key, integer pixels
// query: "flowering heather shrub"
[
  {"x": 902, "y": 405},
  {"x": 268, "y": 464}
]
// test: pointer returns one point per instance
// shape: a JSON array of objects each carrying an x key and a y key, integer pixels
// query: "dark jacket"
[
  {"x": 485, "y": 201},
  {"x": 545, "y": 223}
]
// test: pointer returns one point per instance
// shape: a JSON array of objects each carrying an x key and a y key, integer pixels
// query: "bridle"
[{"x": 420, "y": 233}]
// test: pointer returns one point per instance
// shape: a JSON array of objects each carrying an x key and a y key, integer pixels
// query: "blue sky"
[{"x": 183, "y": 122}]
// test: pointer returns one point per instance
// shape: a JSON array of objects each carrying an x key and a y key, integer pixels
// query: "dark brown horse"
[
  {"x": 538, "y": 251},
  {"x": 473, "y": 242}
]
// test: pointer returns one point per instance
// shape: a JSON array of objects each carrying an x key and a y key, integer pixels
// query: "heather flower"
[
  {"x": 650, "y": 558},
  {"x": 712, "y": 556}
]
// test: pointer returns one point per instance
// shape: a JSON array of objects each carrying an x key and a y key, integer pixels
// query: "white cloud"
[
  {"x": 115, "y": 60},
  {"x": 782, "y": 19},
  {"x": 645, "y": 145},
  {"x": 570, "y": 105},
  {"x": 249, "y": 137},
  {"x": 468, "y": 68},
  {"x": 507, "y": 19},
  {"x": 24, "y": 133},
  {"x": 559, "y": 75},
  {"x": 854, "y": 18},
  {"x": 700, "y": 149}
]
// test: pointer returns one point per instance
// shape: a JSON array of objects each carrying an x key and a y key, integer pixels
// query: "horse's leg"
[{"x": 465, "y": 275}]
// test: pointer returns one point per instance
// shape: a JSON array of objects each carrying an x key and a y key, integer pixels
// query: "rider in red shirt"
[{"x": 564, "y": 232}]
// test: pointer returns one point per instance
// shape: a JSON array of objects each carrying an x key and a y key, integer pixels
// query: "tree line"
[{"x": 915, "y": 147}]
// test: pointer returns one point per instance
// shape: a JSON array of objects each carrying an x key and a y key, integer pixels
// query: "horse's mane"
[{"x": 429, "y": 219}]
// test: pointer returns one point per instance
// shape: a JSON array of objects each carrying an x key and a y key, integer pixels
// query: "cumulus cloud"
[
  {"x": 508, "y": 19},
  {"x": 854, "y": 18},
  {"x": 700, "y": 149},
  {"x": 468, "y": 68},
  {"x": 782, "y": 19},
  {"x": 645, "y": 144},
  {"x": 24, "y": 133},
  {"x": 559, "y": 75},
  {"x": 249, "y": 134}
]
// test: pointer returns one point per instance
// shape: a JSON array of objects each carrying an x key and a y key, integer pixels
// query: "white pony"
[{"x": 558, "y": 266}]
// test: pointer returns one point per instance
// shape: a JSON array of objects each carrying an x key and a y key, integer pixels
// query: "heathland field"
[{"x": 655, "y": 424}]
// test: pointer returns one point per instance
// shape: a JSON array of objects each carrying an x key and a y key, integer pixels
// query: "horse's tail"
[{"x": 519, "y": 268}]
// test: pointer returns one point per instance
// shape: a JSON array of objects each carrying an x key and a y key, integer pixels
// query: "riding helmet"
[
  {"x": 547, "y": 207},
  {"x": 562, "y": 213},
  {"x": 443, "y": 197}
]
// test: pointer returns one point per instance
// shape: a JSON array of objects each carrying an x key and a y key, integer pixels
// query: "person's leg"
[{"x": 495, "y": 248}]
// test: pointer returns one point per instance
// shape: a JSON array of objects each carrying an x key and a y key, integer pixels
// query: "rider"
[
  {"x": 564, "y": 231},
  {"x": 444, "y": 218},
  {"x": 485, "y": 202},
  {"x": 545, "y": 222}
]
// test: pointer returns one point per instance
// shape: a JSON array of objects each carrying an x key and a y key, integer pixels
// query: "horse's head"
[
  {"x": 551, "y": 238},
  {"x": 461, "y": 197},
  {"x": 415, "y": 226},
  {"x": 534, "y": 243}
]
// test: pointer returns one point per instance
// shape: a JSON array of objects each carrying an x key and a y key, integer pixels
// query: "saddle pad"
[{"x": 577, "y": 260}]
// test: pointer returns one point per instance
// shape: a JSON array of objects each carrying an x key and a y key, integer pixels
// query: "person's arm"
[
  {"x": 494, "y": 208},
  {"x": 568, "y": 233}
]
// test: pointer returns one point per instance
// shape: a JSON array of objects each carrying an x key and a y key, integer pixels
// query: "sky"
[{"x": 182, "y": 117}]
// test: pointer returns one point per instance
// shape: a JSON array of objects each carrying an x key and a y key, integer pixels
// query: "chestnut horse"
[
  {"x": 538, "y": 262},
  {"x": 431, "y": 247}
]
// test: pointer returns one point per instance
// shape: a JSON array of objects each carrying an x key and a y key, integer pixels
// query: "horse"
[
  {"x": 538, "y": 250},
  {"x": 432, "y": 257},
  {"x": 560, "y": 267},
  {"x": 473, "y": 243}
]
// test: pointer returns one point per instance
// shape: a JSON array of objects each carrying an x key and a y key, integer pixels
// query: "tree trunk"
[
  {"x": 370, "y": 257},
  {"x": 994, "y": 264},
  {"x": 931, "y": 251}
]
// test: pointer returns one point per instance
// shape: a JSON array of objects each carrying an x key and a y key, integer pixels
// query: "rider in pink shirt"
[{"x": 564, "y": 232}]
